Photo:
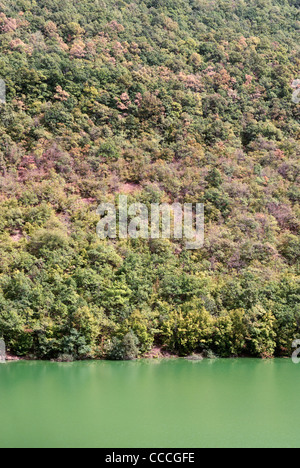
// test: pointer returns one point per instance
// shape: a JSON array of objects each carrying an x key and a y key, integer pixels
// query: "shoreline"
[{"x": 156, "y": 357}]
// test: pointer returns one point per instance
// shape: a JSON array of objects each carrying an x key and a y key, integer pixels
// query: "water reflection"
[{"x": 150, "y": 403}]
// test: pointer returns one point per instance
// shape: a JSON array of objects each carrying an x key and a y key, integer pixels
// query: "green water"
[{"x": 175, "y": 403}]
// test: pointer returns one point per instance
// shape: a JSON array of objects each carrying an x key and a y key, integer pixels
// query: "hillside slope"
[{"x": 162, "y": 100}]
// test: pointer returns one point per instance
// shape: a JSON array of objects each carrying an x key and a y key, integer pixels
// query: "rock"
[
  {"x": 12, "y": 358},
  {"x": 194, "y": 357}
]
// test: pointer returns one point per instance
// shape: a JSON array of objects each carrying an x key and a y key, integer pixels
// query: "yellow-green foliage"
[
  {"x": 188, "y": 329},
  {"x": 262, "y": 333}
]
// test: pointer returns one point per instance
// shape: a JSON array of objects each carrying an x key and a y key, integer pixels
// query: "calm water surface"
[{"x": 156, "y": 404}]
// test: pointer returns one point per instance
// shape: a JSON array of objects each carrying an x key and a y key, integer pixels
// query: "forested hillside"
[{"x": 162, "y": 100}]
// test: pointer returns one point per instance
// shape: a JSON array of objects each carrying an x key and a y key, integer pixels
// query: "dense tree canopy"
[{"x": 163, "y": 100}]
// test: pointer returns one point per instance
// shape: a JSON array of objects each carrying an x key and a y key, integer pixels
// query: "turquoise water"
[{"x": 155, "y": 404}]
